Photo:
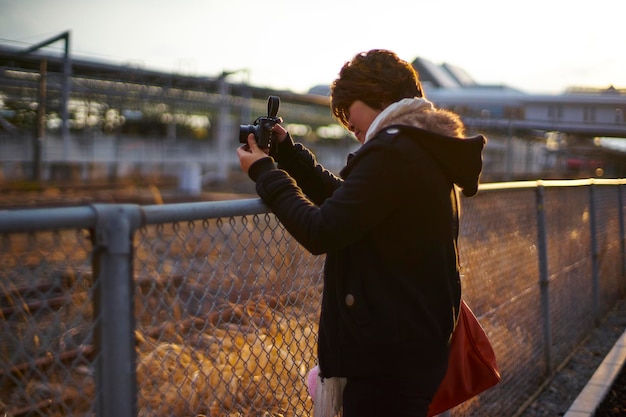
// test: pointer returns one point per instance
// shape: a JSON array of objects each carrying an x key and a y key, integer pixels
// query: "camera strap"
[{"x": 273, "y": 102}]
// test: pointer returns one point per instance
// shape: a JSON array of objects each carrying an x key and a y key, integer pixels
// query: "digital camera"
[{"x": 262, "y": 127}]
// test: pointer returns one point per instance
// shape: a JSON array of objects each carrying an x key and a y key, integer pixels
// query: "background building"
[{"x": 63, "y": 119}]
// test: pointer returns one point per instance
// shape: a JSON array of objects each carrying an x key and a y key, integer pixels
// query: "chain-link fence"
[{"x": 210, "y": 309}]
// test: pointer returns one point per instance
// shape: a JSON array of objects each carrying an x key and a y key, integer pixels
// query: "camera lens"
[{"x": 244, "y": 131}]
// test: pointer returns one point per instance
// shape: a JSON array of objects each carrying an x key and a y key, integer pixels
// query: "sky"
[{"x": 538, "y": 46}]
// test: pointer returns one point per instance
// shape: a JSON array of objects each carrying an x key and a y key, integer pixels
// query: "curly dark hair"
[{"x": 377, "y": 78}]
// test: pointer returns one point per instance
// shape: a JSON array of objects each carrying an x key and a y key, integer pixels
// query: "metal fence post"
[
  {"x": 544, "y": 281},
  {"x": 595, "y": 278},
  {"x": 116, "y": 382},
  {"x": 620, "y": 216}
]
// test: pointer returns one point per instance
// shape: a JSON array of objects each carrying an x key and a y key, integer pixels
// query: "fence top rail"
[
  {"x": 31, "y": 219},
  {"x": 167, "y": 213},
  {"x": 549, "y": 183},
  {"x": 84, "y": 217}
]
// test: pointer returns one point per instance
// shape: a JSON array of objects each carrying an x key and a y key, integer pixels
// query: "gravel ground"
[{"x": 570, "y": 380}]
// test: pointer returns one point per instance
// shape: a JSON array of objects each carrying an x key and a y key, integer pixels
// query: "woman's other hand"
[{"x": 279, "y": 133}]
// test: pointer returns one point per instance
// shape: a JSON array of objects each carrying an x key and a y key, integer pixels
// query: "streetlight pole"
[
  {"x": 66, "y": 85},
  {"x": 224, "y": 126},
  {"x": 41, "y": 121}
]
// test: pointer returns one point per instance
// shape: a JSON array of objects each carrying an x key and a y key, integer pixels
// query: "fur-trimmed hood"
[
  {"x": 417, "y": 112},
  {"x": 441, "y": 133}
]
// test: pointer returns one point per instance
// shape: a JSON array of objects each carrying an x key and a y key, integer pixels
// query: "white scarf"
[{"x": 405, "y": 105}]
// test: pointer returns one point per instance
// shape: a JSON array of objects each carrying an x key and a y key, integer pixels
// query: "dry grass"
[{"x": 226, "y": 321}]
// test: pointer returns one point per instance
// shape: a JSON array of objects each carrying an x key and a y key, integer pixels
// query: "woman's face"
[{"x": 360, "y": 117}]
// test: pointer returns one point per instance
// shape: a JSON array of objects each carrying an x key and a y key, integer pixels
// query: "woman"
[{"x": 388, "y": 228}]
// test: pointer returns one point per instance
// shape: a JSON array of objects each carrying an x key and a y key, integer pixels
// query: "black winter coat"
[{"x": 389, "y": 230}]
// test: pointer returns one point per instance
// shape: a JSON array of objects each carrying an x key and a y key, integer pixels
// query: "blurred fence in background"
[
  {"x": 99, "y": 158},
  {"x": 211, "y": 308}
]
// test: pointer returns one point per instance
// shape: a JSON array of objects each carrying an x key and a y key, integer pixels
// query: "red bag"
[{"x": 472, "y": 366}]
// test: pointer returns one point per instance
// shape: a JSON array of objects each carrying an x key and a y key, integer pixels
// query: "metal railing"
[{"x": 211, "y": 308}]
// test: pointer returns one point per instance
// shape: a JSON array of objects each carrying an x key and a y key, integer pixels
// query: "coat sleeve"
[
  {"x": 315, "y": 181},
  {"x": 376, "y": 185}
]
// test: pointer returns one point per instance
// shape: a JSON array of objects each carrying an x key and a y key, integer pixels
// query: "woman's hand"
[{"x": 250, "y": 153}]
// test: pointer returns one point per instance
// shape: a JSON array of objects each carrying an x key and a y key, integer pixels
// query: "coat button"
[{"x": 349, "y": 300}]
